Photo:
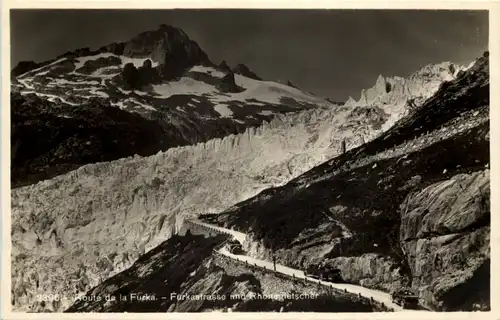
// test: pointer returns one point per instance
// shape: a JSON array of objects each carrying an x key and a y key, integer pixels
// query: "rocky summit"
[{"x": 168, "y": 46}]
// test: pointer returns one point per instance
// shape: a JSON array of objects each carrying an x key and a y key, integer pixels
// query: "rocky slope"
[
  {"x": 162, "y": 76},
  {"x": 445, "y": 235},
  {"x": 410, "y": 208},
  {"x": 124, "y": 208},
  {"x": 67, "y": 138}
]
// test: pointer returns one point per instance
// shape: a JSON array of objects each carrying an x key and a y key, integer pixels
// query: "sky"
[{"x": 332, "y": 53}]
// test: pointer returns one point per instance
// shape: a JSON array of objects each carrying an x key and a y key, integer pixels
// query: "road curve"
[{"x": 379, "y": 296}]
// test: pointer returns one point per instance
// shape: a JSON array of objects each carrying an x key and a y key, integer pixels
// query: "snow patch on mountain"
[
  {"x": 137, "y": 62},
  {"x": 50, "y": 97},
  {"x": 25, "y": 83},
  {"x": 145, "y": 106},
  {"x": 264, "y": 91},
  {"x": 270, "y": 92},
  {"x": 81, "y": 60},
  {"x": 184, "y": 85},
  {"x": 95, "y": 91},
  {"x": 65, "y": 81},
  {"x": 119, "y": 104},
  {"x": 42, "y": 73},
  {"x": 266, "y": 113},
  {"x": 128, "y": 92},
  {"x": 104, "y": 73},
  {"x": 207, "y": 70},
  {"x": 223, "y": 110}
]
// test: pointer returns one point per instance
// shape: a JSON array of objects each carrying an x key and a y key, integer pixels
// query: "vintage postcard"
[{"x": 274, "y": 162}]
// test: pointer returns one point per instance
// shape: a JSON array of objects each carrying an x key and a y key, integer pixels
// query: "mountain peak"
[
  {"x": 350, "y": 101},
  {"x": 169, "y": 28},
  {"x": 245, "y": 71},
  {"x": 169, "y": 46},
  {"x": 223, "y": 65}
]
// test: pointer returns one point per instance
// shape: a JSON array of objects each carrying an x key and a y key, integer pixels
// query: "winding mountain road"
[{"x": 379, "y": 296}]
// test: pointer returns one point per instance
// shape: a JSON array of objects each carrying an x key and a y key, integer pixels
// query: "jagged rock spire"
[{"x": 245, "y": 71}]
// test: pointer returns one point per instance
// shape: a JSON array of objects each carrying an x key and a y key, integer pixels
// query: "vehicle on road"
[
  {"x": 234, "y": 247},
  {"x": 405, "y": 298},
  {"x": 324, "y": 273}
]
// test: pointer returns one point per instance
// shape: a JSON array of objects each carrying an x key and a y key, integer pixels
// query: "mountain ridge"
[{"x": 160, "y": 75}]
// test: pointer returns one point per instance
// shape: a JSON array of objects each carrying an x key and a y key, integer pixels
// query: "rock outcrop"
[
  {"x": 114, "y": 48},
  {"x": 76, "y": 53},
  {"x": 170, "y": 47},
  {"x": 223, "y": 66},
  {"x": 23, "y": 67},
  {"x": 91, "y": 66},
  {"x": 445, "y": 235},
  {"x": 371, "y": 270},
  {"x": 228, "y": 84}
]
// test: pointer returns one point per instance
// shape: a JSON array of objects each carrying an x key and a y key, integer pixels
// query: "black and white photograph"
[{"x": 249, "y": 160}]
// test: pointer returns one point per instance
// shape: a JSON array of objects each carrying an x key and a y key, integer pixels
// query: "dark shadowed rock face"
[
  {"x": 170, "y": 47},
  {"x": 147, "y": 74},
  {"x": 224, "y": 67},
  {"x": 76, "y": 53},
  {"x": 48, "y": 139},
  {"x": 114, "y": 48},
  {"x": 93, "y": 65},
  {"x": 245, "y": 71},
  {"x": 137, "y": 78},
  {"x": 23, "y": 67},
  {"x": 445, "y": 234},
  {"x": 228, "y": 84}
]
